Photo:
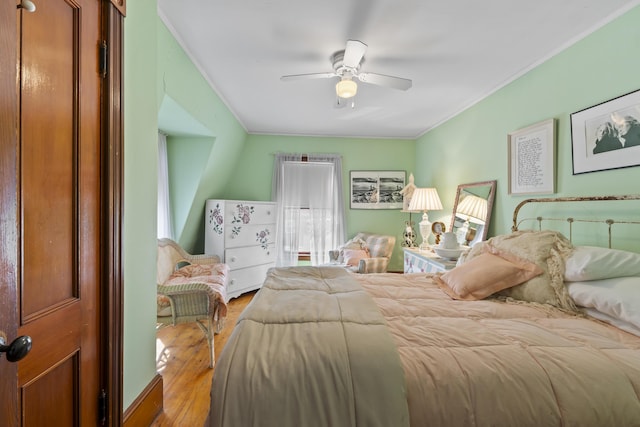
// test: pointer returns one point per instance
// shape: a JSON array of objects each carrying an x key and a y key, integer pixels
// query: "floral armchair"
[
  {"x": 191, "y": 288},
  {"x": 365, "y": 253}
]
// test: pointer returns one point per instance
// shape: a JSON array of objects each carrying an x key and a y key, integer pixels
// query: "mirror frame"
[{"x": 490, "y": 198}]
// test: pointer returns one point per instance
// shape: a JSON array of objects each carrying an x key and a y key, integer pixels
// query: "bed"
[{"x": 319, "y": 346}]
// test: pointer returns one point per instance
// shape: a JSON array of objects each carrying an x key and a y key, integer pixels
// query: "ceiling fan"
[{"x": 346, "y": 65}]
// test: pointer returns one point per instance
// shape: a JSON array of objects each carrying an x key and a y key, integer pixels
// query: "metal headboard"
[{"x": 570, "y": 220}]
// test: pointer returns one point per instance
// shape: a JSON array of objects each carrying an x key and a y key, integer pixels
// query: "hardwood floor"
[{"x": 183, "y": 361}]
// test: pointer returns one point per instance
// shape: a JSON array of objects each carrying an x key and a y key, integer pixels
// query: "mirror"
[{"x": 472, "y": 211}]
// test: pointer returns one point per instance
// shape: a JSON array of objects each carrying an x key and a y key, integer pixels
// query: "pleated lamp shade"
[
  {"x": 425, "y": 199},
  {"x": 472, "y": 208}
]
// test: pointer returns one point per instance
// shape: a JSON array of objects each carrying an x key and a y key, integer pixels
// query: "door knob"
[
  {"x": 17, "y": 349},
  {"x": 27, "y": 5}
]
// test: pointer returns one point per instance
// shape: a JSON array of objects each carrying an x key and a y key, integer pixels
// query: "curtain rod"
[{"x": 307, "y": 154}]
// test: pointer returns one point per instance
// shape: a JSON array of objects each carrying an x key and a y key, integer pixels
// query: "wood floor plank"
[{"x": 183, "y": 361}]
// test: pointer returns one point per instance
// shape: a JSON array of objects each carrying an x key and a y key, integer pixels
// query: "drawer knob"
[{"x": 233, "y": 259}]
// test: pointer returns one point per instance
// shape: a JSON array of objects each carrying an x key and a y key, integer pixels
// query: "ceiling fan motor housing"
[{"x": 337, "y": 59}]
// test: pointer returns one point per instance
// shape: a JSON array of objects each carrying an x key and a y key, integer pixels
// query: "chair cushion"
[
  {"x": 214, "y": 276},
  {"x": 198, "y": 270},
  {"x": 353, "y": 256}
]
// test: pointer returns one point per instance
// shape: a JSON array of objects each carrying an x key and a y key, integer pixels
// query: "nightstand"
[{"x": 417, "y": 261}]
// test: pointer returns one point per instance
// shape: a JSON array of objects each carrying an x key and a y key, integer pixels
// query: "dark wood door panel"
[
  {"x": 52, "y": 398},
  {"x": 49, "y": 349},
  {"x": 49, "y": 155}
]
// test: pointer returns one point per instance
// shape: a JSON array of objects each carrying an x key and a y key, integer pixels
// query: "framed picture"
[
  {"x": 376, "y": 189},
  {"x": 532, "y": 159},
  {"x": 607, "y": 135}
]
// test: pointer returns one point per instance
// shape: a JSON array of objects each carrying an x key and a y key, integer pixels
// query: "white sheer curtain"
[
  {"x": 312, "y": 188},
  {"x": 164, "y": 206}
]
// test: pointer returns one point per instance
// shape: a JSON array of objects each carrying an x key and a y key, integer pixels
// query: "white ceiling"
[{"x": 456, "y": 52}]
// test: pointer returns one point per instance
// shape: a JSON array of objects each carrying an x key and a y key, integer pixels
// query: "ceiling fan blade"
[
  {"x": 382, "y": 80},
  {"x": 308, "y": 76},
  {"x": 353, "y": 53}
]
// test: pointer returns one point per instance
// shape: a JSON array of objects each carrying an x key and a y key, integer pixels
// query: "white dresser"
[{"x": 242, "y": 233}]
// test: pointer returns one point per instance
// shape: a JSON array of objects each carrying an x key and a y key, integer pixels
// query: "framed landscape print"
[
  {"x": 376, "y": 189},
  {"x": 607, "y": 135}
]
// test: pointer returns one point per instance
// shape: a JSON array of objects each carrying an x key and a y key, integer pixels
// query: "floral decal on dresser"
[
  {"x": 215, "y": 218},
  {"x": 263, "y": 238},
  {"x": 241, "y": 217}
]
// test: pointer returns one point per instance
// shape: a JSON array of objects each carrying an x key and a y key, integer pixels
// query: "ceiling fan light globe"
[{"x": 346, "y": 88}]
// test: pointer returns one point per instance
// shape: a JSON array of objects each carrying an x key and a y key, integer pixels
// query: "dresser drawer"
[
  {"x": 242, "y": 213},
  {"x": 247, "y": 256},
  {"x": 247, "y": 279},
  {"x": 261, "y": 235}
]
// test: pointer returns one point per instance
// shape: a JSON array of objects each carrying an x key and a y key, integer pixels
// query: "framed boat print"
[{"x": 376, "y": 189}]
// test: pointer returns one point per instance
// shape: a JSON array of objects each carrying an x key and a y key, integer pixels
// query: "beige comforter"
[
  {"x": 311, "y": 349},
  {"x": 489, "y": 363}
]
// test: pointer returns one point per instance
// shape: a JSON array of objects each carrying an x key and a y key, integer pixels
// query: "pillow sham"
[
  {"x": 617, "y": 297},
  {"x": 548, "y": 250},
  {"x": 594, "y": 263},
  {"x": 485, "y": 275},
  {"x": 353, "y": 256}
]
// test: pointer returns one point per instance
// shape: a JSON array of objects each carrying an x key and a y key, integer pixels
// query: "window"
[{"x": 310, "y": 207}]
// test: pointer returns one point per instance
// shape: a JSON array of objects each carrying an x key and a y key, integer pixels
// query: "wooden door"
[{"x": 50, "y": 202}]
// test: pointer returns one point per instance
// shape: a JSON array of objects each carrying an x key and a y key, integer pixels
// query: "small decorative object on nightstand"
[
  {"x": 438, "y": 229},
  {"x": 425, "y": 199},
  {"x": 409, "y": 234}
]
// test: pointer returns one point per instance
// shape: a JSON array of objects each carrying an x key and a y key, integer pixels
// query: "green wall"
[
  {"x": 181, "y": 81},
  {"x": 150, "y": 50},
  {"x": 252, "y": 179},
  {"x": 140, "y": 198},
  {"x": 187, "y": 161},
  {"x": 473, "y": 145}
]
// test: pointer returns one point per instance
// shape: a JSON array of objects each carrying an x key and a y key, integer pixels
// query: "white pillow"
[
  {"x": 594, "y": 263},
  {"x": 625, "y": 326},
  {"x": 617, "y": 297}
]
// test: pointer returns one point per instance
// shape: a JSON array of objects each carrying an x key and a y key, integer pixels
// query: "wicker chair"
[
  {"x": 191, "y": 288},
  {"x": 380, "y": 248}
]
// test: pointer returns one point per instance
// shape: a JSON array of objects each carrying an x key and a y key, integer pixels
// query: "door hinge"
[
  {"x": 102, "y": 407},
  {"x": 103, "y": 58}
]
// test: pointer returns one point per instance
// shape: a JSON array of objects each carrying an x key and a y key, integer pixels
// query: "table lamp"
[
  {"x": 425, "y": 199},
  {"x": 471, "y": 209}
]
